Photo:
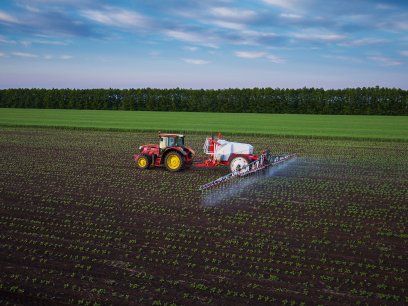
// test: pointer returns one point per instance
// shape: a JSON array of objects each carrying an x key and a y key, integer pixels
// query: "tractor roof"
[{"x": 171, "y": 135}]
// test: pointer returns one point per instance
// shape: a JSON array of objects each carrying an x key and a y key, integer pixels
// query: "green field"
[{"x": 368, "y": 127}]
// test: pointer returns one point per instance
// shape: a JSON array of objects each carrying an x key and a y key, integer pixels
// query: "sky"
[{"x": 203, "y": 44}]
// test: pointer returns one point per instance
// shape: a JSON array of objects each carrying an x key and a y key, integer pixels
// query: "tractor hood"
[{"x": 149, "y": 146}]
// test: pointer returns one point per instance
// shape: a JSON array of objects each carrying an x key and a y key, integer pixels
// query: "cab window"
[
  {"x": 171, "y": 142},
  {"x": 180, "y": 141}
]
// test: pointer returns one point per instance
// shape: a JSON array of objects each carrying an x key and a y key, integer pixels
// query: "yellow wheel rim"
[
  {"x": 173, "y": 162},
  {"x": 142, "y": 162}
]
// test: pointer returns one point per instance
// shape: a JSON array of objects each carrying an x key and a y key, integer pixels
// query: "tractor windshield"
[{"x": 179, "y": 141}]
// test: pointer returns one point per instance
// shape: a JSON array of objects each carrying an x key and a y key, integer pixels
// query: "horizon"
[
  {"x": 185, "y": 88},
  {"x": 217, "y": 44}
]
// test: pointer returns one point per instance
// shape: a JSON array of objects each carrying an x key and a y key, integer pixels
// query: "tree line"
[{"x": 350, "y": 101}]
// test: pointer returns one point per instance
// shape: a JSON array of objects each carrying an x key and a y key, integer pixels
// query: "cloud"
[
  {"x": 2, "y": 54},
  {"x": 185, "y": 36},
  {"x": 394, "y": 25},
  {"x": 29, "y": 8},
  {"x": 117, "y": 17},
  {"x": 318, "y": 36},
  {"x": 385, "y": 61},
  {"x": 216, "y": 18},
  {"x": 342, "y": 58},
  {"x": 275, "y": 59},
  {"x": 46, "y": 56},
  {"x": 231, "y": 13},
  {"x": 229, "y": 25},
  {"x": 203, "y": 39},
  {"x": 5, "y": 17},
  {"x": 384, "y": 6},
  {"x": 363, "y": 42},
  {"x": 291, "y": 16},
  {"x": 61, "y": 24},
  {"x": 28, "y": 43},
  {"x": 5, "y": 40},
  {"x": 402, "y": 25},
  {"x": 37, "y": 6},
  {"x": 404, "y": 53},
  {"x": 61, "y": 57},
  {"x": 286, "y": 4},
  {"x": 195, "y": 61},
  {"x": 65, "y": 57},
  {"x": 250, "y": 54},
  {"x": 154, "y": 53},
  {"x": 25, "y": 54},
  {"x": 59, "y": 2},
  {"x": 259, "y": 54},
  {"x": 258, "y": 38},
  {"x": 191, "y": 49},
  {"x": 53, "y": 23}
]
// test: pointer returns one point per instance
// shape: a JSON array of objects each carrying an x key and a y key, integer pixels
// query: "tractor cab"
[{"x": 171, "y": 140}]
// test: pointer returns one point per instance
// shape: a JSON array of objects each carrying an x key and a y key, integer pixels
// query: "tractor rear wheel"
[
  {"x": 143, "y": 161},
  {"x": 174, "y": 162},
  {"x": 238, "y": 162}
]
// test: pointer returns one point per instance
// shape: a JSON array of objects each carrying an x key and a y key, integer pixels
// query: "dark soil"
[{"x": 79, "y": 224}]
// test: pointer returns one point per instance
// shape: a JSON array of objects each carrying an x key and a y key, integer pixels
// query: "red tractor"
[{"x": 170, "y": 152}]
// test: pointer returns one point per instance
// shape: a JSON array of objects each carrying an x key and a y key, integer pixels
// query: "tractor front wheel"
[
  {"x": 174, "y": 162},
  {"x": 143, "y": 161}
]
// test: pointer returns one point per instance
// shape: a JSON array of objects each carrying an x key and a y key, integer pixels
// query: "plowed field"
[{"x": 81, "y": 225}]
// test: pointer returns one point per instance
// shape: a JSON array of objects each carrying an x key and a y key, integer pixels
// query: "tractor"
[
  {"x": 175, "y": 156},
  {"x": 170, "y": 152}
]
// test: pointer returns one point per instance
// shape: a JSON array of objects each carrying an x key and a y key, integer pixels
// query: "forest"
[{"x": 350, "y": 101}]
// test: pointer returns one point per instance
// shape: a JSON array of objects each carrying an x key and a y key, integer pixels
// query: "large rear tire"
[
  {"x": 144, "y": 161},
  {"x": 238, "y": 162},
  {"x": 174, "y": 162}
]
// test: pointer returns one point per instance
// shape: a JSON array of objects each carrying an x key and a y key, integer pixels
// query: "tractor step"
[{"x": 265, "y": 160}]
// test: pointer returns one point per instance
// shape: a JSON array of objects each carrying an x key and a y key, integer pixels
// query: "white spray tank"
[{"x": 225, "y": 148}]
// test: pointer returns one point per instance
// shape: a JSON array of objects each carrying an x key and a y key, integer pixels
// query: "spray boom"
[{"x": 265, "y": 160}]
